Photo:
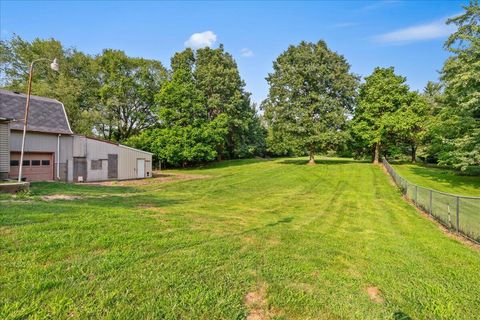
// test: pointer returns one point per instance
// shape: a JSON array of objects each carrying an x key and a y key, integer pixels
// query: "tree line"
[{"x": 198, "y": 110}]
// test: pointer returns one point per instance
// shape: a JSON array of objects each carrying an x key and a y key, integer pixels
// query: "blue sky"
[{"x": 408, "y": 35}]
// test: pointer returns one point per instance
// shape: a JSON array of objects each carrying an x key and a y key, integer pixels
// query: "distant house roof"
[{"x": 45, "y": 115}]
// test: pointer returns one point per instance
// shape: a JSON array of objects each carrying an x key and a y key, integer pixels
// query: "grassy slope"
[
  {"x": 313, "y": 238},
  {"x": 440, "y": 179}
]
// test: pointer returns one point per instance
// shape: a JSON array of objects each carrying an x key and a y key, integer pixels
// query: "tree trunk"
[
  {"x": 219, "y": 153},
  {"x": 312, "y": 158},
  {"x": 376, "y": 155},
  {"x": 414, "y": 153}
]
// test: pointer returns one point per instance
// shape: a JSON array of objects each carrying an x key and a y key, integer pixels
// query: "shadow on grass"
[
  {"x": 446, "y": 176},
  {"x": 399, "y": 315}
]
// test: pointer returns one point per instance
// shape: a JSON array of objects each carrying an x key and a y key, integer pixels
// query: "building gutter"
[{"x": 58, "y": 157}]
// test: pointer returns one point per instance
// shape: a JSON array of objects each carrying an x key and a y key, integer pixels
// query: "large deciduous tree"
[
  {"x": 409, "y": 123},
  {"x": 185, "y": 133},
  {"x": 223, "y": 93},
  {"x": 203, "y": 112},
  {"x": 380, "y": 98},
  {"x": 127, "y": 88},
  {"x": 311, "y": 94}
]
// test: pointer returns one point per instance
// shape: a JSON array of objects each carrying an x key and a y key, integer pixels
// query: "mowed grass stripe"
[{"x": 309, "y": 239}]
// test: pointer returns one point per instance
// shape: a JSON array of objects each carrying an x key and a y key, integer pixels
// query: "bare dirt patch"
[
  {"x": 4, "y": 231},
  {"x": 374, "y": 294},
  {"x": 256, "y": 303},
  {"x": 60, "y": 197}
]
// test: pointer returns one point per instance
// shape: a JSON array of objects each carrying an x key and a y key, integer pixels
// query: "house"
[{"x": 53, "y": 152}]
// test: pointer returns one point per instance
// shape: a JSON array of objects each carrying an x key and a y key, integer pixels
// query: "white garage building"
[{"x": 54, "y": 152}]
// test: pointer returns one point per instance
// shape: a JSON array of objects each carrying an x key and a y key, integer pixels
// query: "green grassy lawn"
[
  {"x": 446, "y": 180},
  {"x": 441, "y": 179},
  {"x": 273, "y": 239}
]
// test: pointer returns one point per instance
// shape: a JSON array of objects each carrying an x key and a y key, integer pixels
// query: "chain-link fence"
[{"x": 459, "y": 213}]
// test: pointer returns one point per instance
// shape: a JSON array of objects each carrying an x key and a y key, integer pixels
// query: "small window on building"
[
  {"x": 14, "y": 163},
  {"x": 26, "y": 162},
  {"x": 35, "y": 162},
  {"x": 96, "y": 165},
  {"x": 45, "y": 162}
]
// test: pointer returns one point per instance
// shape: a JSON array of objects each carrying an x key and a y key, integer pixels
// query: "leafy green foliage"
[
  {"x": 127, "y": 88},
  {"x": 458, "y": 127},
  {"x": 388, "y": 115},
  {"x": 409, "y": 123},
  {"x": 203, "y": 112},
  {"x": 218, "y": 79},
  {"x": 311, "y": 93}
]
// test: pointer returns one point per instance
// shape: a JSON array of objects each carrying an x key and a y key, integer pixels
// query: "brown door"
[
  {"x": 112, "y": 166},
  {"x": 79, "y": 168},
  {"x": 36, "y": 166}
]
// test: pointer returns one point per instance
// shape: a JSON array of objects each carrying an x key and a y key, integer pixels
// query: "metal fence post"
[{"x": 458, "y": 214}]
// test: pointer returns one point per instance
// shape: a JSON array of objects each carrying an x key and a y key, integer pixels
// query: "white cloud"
[
  {"x": 201, "y": 40},
  {"x": 433, "y": 30},
  {"x": 245, "y": 52}
]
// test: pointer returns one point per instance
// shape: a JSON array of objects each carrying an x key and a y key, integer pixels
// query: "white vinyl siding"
[{"x": 4, "y": 148}]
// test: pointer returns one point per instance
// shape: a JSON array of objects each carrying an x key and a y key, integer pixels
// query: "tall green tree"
[
  {"x": 204, "y": 111},
  {"x": 381, "y": 97},
  {"x": 185, "y": 134},
  {"x": 223, "y": 92},
  {"x": 409, "y": 124},
  {"x": 127, "y": 88},
  {"x": 311, "y": 93},
  {"x": 433, "y": 143},
  {"x": 459, "y": 119}
]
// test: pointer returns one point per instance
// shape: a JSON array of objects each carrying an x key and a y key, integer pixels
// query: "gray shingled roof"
[{"x": 46, "y": 115}]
